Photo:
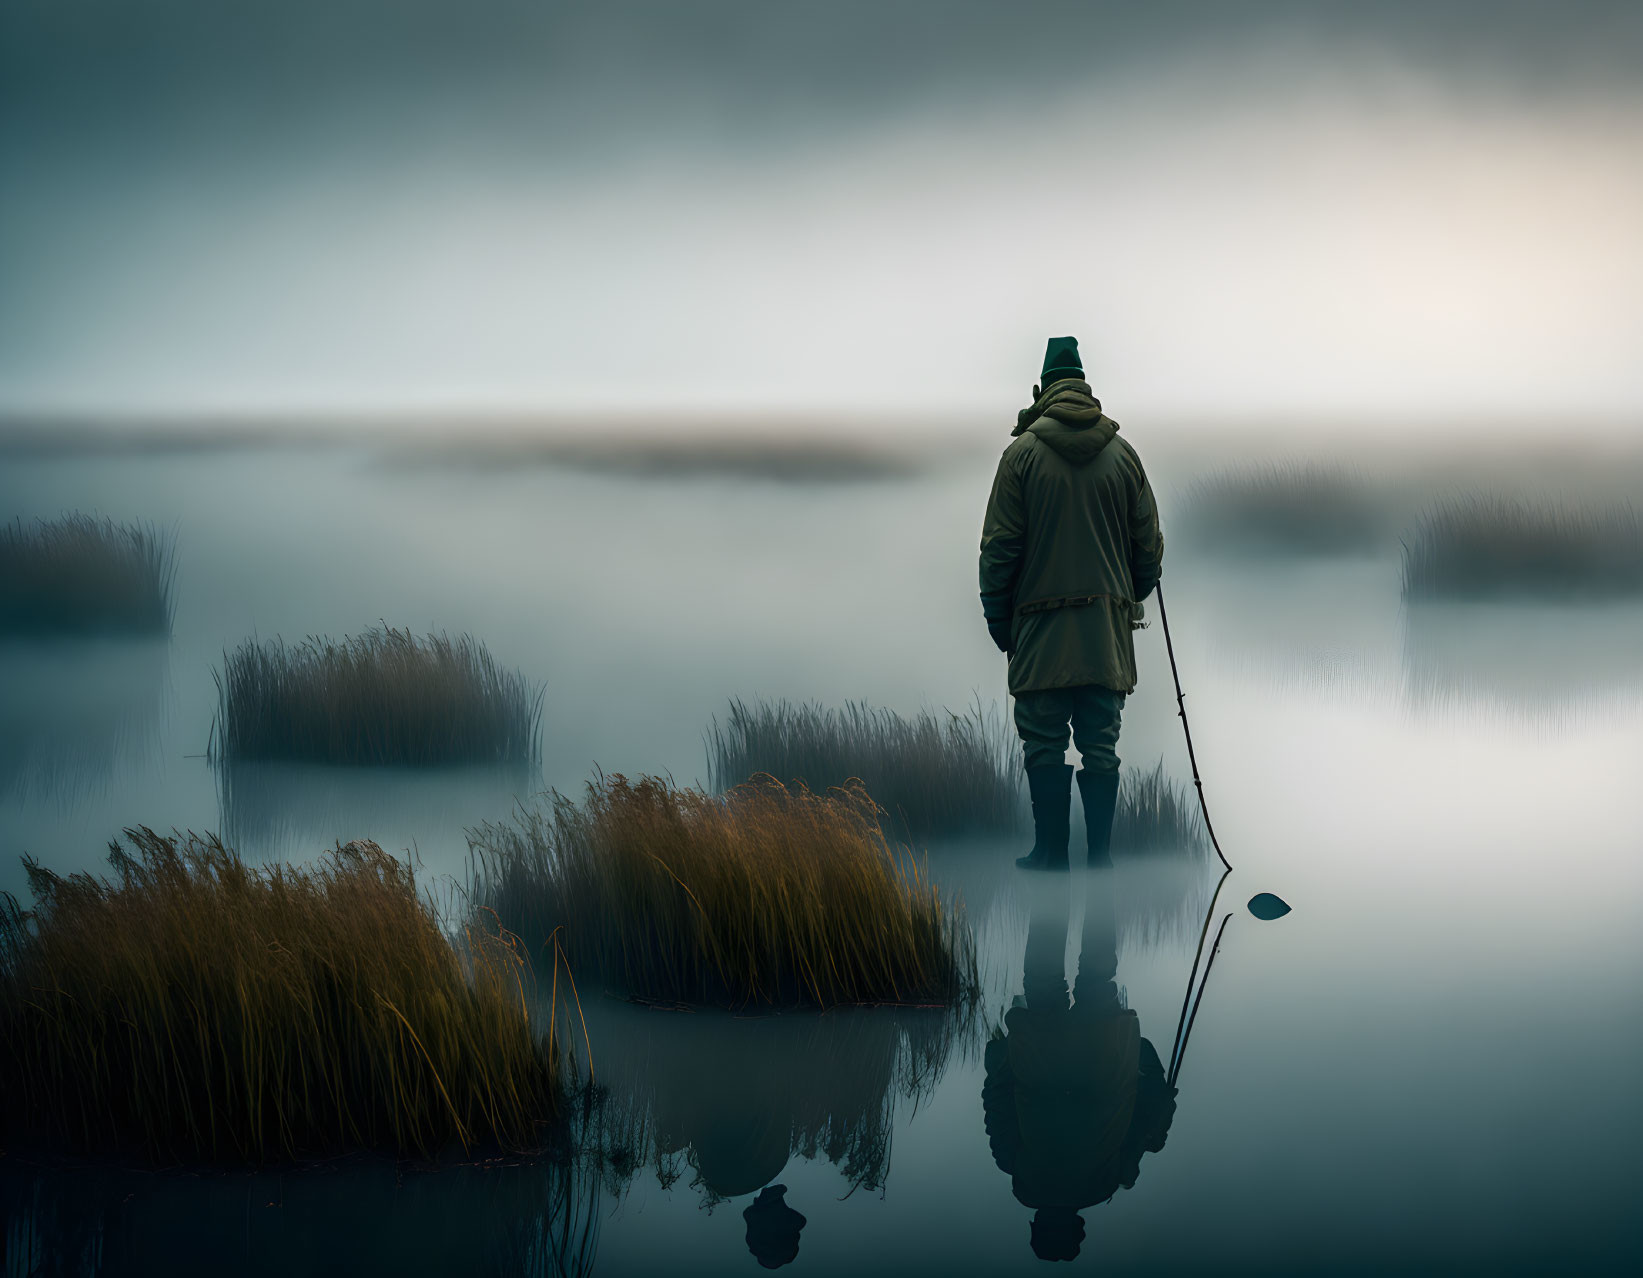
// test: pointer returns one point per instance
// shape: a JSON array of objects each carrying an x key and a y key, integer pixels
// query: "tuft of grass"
[
  {"x": 1158, "y": 817},
  {"x": 768, "y": 895},
  {"x": 1303, "y": 508},
  {"x": 382, "y": 697},
  {"x": 1491, "y": 546},
  {"x": 191, "y": 1007},
  {"x": 80, "y": 575},
  {"x": 934, "y": 774}
]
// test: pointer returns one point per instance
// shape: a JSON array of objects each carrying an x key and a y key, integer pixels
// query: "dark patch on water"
[
  {"x": 781, "y": 456},
  {"x": 73, "y": 713}
]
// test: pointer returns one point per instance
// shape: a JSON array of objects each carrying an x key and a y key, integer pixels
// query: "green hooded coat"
[{"x": 1070, "y": 546}]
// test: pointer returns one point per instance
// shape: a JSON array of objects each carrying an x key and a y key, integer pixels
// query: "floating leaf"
[{"x": 1265, "y": 906}]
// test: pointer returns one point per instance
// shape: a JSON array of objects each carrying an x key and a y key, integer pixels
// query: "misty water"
[{"x": 1430, "y": 1064}]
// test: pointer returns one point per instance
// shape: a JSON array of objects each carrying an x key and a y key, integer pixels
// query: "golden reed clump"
[
  {"x": 192, "y": 1007},
  {"x": 766, "y": 894}
]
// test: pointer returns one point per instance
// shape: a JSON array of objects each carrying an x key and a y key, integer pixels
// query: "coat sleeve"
[
  {"x": 1146, "y": 540},
  {"x": 1003, "y": 536}
]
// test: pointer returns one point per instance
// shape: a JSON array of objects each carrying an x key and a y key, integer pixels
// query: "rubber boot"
[
  {"x": 1100, "y": 793},
  {"x": 1051, "y": 787}
]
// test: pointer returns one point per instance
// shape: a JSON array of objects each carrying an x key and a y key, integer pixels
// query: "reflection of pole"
[
  {"x": 1181, "y": 1051},
  {"x": 1192, "y": 977},
  {"x": 1181, "y": 709}
]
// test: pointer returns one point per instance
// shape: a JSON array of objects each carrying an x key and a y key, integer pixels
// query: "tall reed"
[
  {"x": 82, "y": 575},
  {"x": 382, "y": 697},
  {"x": 934, "y": 774},
  {"x": 191, "y": 1007},
  {"x": 1157, "y": 816},
  {"x": 1284, "y": 508},
  {"x": 1488, "y": 545},
  {"x": 764, "y": 895}
]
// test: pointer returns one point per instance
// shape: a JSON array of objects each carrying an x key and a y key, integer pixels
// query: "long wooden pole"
[{"x": 1186, "y": 729}]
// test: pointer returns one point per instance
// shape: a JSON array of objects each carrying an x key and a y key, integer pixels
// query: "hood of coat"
[{"x": 1069, "y": 419}]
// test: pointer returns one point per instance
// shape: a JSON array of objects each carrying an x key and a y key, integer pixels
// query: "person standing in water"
[{"x": 1069, "y": 549}]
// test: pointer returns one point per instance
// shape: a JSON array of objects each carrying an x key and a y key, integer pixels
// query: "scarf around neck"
[{"x": 1069, "y": 400}]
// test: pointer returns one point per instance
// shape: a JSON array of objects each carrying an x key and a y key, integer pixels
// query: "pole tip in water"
[{"x": 1265, "y": 906}]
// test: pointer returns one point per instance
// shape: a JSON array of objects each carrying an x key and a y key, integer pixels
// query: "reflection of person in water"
[
  {"x": 739, "y": 1135},
  {"x": 1073, "y": 1094},
  {"x": 740, "y": 1096},
  {"x": 773, "y": 1228}
]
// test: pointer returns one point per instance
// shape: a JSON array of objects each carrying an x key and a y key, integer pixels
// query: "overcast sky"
[{"x": 1266, "y": 209}]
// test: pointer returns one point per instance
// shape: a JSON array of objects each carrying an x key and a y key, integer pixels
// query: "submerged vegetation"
[
  {"x": 533, "y": 1217},
  {"x": 80, "y": 575},
  {"x": 192, "y": 1007},
  {"x": 270, "y": 810},
  {"x": 768, "y": 895},
  {"x": 382, "y": 697},
  {"x": 1483, "y": 546},
  {"x": 934, "y": 774},
  {"x": 1302, "y": 508},
  {"x": 73, "y": 713},
  {"x": 1521, "y": 660},
  {"x": 1162, "y": 862},
  {"x": 725, "y": 1101}
]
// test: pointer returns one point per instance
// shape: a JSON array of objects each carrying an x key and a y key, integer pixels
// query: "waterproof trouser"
[{"x": 1090, "y": 714}]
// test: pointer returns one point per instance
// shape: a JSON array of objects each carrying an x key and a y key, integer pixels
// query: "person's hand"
[{"x": 1000, "y": 631}]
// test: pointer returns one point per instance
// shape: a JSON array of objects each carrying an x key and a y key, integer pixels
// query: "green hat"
[{"x": 1061, "y": 360}]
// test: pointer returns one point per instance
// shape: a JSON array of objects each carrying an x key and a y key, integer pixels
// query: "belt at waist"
[{"x": 1065, "y": 601}]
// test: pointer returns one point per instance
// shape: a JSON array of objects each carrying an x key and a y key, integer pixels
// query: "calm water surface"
[{"x": 1429, "y": 1066}]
